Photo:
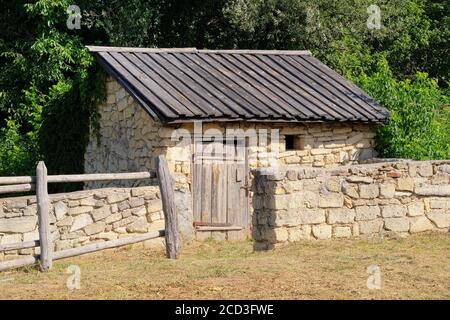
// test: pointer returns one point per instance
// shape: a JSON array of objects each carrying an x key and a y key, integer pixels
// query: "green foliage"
[
  {"x": 16, "y": 151},
  {"x": 419, "y": 125}
]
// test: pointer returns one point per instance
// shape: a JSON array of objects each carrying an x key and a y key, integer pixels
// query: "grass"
[{"x": 413, "y": 268}]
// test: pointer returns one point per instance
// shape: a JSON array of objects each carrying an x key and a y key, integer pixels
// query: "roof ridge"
[{"x": 195, "y": 50}]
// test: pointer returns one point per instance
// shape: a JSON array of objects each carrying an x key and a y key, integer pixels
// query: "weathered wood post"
[
  {"x": 168, "y": 201},
  {"x": 43, "y": 216}
]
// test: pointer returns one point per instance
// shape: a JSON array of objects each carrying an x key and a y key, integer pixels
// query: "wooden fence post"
[
  {"x": 43, "y": 215},
  {"x": 168, "y": 202}
]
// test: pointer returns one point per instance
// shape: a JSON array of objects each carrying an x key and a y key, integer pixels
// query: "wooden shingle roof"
[{"x": 176, "y": 85}]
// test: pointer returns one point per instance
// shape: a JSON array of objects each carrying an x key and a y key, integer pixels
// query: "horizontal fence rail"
[
  {"x": 40, "y": 182},
  {"x": 28, "y": 183}
]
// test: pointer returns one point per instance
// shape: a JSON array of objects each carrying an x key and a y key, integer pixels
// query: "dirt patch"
[{"x": 413, "y": 268}]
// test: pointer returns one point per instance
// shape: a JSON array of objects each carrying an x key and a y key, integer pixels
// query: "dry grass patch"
[{"x": 413, "y": 268}]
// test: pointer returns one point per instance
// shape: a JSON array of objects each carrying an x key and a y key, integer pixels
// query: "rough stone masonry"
[
  {"x": 362, "y": 200},
  {"x": 83, "y": 217}
]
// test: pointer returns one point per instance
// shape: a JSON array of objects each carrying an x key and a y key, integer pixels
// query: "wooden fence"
[{"x": 40, "y": 182}]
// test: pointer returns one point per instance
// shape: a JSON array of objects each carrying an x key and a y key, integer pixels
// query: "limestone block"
[
  {"x": 351, "y": 190},
  {"x": 433, "y": 190},
  {"x": 416, "y": 208},
  {"x": 11, "y": 238},
  {"x": 331, "y": 200},
  {"x": 420, "y": 224},
  {"x": 88, "y": 202},
  {"x": 342, "y": 232},
  {"x": 341, "y": 215},
  {"x": 95, "y": 228},
  {"x": 312, "y": 216},
  {"x": 61, "y": 210},
  {"x": 101, "y": 213},
  {"x": 18, "y": 225},
  {"x": 154, "y": 205},
  {"x": 66, "y": 222},
  {"x": 106, "y": 236},
  {"x": 16, "y": 204},
  {"x": 31, "y": 236},
  {"x": 441, "y": 203},
  {"x": 387, "y": 190},
  {"x": 124, "y": 205},
  {"x": 136, "y": 202},
  {"x": 389, "y": 211},
  {"x": 316, "y": 152},
  {"x": 397, "y": 224},
  {"x": 365, "y": 213},
  {"x": 81, "y": 221},
  {"x": 124, "y": 222},
  {"x": 321, "y": 231},
  {"x": 425, "y": 170},
  {"x": 117, "y": 197},
  {"x": 405, "y": 184},
  {"x": 441, "y": 220},
  {"x": 369, "y": 191},
  {"x": 370, "y": 227},
  {"x": 113, "y": 218},
  {"x": 80, "y": 210},
  {"x": 299, "y": 233},
  {"x": 139, "y": 211}
]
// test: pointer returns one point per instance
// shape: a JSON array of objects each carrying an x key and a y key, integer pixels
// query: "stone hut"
[{"x": 197, "y": 106}]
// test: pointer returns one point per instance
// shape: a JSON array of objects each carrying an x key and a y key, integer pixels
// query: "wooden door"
[{"x": 220, "y": 192}]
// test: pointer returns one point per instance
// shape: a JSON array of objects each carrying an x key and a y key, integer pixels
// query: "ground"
[{"x": 413, "y": 268}]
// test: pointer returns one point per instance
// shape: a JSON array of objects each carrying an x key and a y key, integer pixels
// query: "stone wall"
[
  {"x": 379, "y": 199},
  {"x": 130, "y": 140},
  {"x": 82, "y": 217}
]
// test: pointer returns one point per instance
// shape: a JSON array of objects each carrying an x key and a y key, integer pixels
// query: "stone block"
[
  {"x": 331, "y": 200},
  {"x": 366, "y": 213},
  {"x": 299, "y": 233},
  {"x": 312, "y": 216},
  {"x": 342, "y": 232},
  {"x": 66, "y": 222},
  {"x": 18, "y": 225},
  {"x": 341, "y": 215},
  {"x": 154, "y": 205},
  {"x": 81, "y": 221},
  {"x": 425, "y": 170},
  {"x": 61, "y": 210},
  {"x": 390, "y": 211},
  {"x": 10, "y": 239},
  {"x": 138, "y": 226},
  {"x": 441, "y": 220},
  {"x": 136, "y": 202},
  {"x": 95, "y": 228},
  {"x": 416, "y": 208},
  {"x": 321, "y": 231},
  {"x": 387, "y": 190},
  {"x": 420, "y": 224},
  {"x": 397, "y": 224},
  {"x": 405, "y": 184},
  {"x": 80, "y": 210},
  {"x": 102, "y": 213},
  {"x": 370, "y": 227},
  {"x": 117, "y": 197},
  {"x": 433, "y": 190},
  {"x": 113, "y": 218},
  {"x": 369, "y": 191}
]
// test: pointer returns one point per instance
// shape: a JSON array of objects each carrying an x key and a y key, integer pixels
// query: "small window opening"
[{"x": 294, "y": 142}]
